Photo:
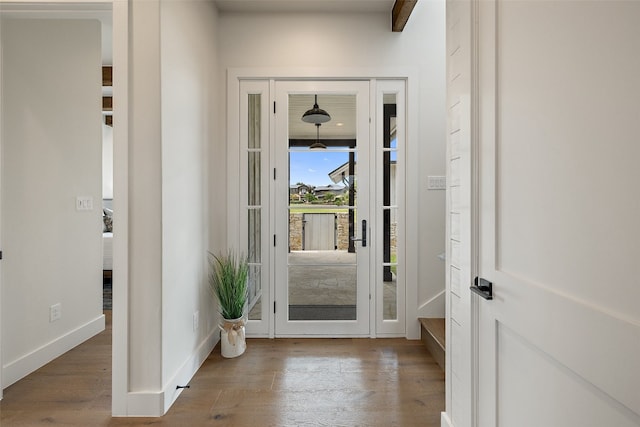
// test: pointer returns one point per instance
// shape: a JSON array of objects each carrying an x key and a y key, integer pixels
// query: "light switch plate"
[
  {"x": 196, "y": 320},
  {"x": 436, "y": 183},
  {"x": 84, "y": 203},
  {"x": 55, "y": 312}
]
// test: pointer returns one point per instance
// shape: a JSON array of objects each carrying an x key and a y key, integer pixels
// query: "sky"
[{"x": 313, "y": 167}]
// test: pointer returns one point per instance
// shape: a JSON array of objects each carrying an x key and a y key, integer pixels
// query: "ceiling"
[
  {"x": 99, "y": 11},
  {"x": 102, "y": 11},
  {"x": 341, "y": 108},
  {"x": 305, "y": 5}
]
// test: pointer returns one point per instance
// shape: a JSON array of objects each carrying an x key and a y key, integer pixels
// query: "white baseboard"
[
  {"x": 445, "y": 421},
  {"x": 189, "y": 369},
  {"x": 156, "y": 404},
  {"x": 434, "y": 308},
  {"x": 145, "y": 404},
  {"x": 28, "y": 363}
]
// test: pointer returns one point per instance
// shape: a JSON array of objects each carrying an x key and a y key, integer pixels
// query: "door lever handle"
[
  {"x": 363, "y": 239},
  {"x": 482, "y": 287}
]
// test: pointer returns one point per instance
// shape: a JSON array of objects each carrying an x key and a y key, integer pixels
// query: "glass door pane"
[
  {"x": 254, "y": 200},
  {"x": 322, "y": 263},
  {"x": 390, "y": 268},
  {"x": 326, "y": 266},
  {"x": 389, "y": 210},
  {"x": 254, "y": 209}
]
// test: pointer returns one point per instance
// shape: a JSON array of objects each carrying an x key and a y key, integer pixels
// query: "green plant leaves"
[{"x": 228, "y": 280}]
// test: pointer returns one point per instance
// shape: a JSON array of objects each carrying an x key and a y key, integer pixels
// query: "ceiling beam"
[
  {"x": 107, "y": 73},
  {"x": 107, "y": 103},
  {"x": 400, "y": 15}
]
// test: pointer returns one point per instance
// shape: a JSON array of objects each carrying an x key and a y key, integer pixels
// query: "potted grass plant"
[{"x": 228, "y": 281}]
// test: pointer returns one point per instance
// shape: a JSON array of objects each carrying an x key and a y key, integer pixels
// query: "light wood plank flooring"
[{"x": 282, "y": 382}]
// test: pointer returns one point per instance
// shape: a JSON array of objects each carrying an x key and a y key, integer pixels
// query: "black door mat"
[{"x": 322, "y": 312}]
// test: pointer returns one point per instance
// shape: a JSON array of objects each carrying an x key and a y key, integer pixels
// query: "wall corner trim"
[
  {"x": 189, "y": 369},
  {"x": 157, "y": 403},
  {"x": 145, "y": 404},
  {"x": 445, "y": 421}
]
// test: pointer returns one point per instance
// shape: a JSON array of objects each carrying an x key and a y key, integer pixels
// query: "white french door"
[
  {"x": 322, "y": 286},
  {"x": 323, "y": 228},
  {"x": 558, "y": 343}
]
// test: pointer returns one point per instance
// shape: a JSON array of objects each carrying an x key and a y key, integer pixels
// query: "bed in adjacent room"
[
  {"x": 107, "y": 238},
  {"x": 107, "y": 254}
]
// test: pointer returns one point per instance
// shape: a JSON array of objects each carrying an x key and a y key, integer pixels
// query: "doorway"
[
  {"x": 91, "y": 207},
  {"x": 323, "y": 292},
  {"x": 323, "y": 207}
]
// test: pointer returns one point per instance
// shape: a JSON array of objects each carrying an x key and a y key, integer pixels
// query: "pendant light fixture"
[
  {"x": 317, "y": 145},
  {"x": 316, "y": 115}
]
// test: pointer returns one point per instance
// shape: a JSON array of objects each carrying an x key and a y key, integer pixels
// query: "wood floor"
[{"x": 282, "y": 382}]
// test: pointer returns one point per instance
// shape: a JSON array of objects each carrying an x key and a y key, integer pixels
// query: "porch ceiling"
[{"x": 341, "y": 108}]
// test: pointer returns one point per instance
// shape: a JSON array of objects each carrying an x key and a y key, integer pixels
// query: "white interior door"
[
  {"x": 322, "y": 292},
  {"x": 559, "y": 342}
]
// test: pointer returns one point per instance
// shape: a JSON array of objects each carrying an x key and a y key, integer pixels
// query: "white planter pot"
[{"x": 232, "y": 339}]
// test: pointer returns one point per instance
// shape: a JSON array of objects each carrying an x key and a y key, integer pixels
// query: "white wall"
[
  {"x": 350, "y": 40},
  {"x": 188, "y": 69},
  {"x": 51, "y": 142},
  {"x": 171, "y": 127}
]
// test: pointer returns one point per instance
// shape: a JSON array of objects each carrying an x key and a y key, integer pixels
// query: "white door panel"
[
  {"x": 558, "y": 343},
  {"x": 537, "y": 390}
]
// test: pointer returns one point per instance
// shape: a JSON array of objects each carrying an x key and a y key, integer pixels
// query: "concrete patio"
[{"x": 327, "y": 278}]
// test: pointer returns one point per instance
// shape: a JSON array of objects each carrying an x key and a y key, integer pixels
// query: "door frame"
[
  {"x": 365, "y": 150},
  {"x": 120, "y": 17},
  {"x": 373, "y": 74}
]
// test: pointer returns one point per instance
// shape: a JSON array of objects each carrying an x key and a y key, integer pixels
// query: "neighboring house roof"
[
  {"x": 300, "y": 188},
  {"x": 338, "y": 174}
]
